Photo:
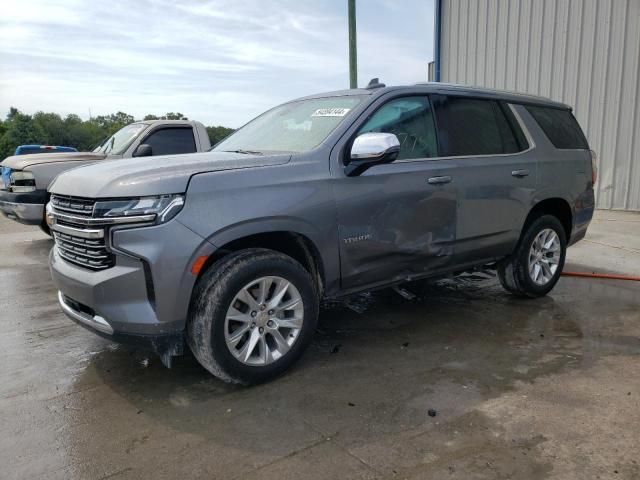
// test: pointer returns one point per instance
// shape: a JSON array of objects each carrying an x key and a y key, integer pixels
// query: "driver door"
[{"x": 398, "y": 220}]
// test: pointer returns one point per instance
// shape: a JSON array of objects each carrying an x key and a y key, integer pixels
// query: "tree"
[
  {"x": 218, "y": 133},
  {"x": 20, "y": 130},
  {"x": 173, "y": 116},
  {"x": 114, "y": 122},
  {"x": 51, "y": 125},
  {"x": 166, "y": 116}
]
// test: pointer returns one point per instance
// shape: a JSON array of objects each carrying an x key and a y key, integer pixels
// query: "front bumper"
[
  {"x": 27, "y": 208},
  {"x": 144, "y": 297}
]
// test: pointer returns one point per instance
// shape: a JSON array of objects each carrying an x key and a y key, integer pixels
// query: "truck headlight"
[
  {"x": 21, "y": 181},
  {"x": 160, "y": 209}
]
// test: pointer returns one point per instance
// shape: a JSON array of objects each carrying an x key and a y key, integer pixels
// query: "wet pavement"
[{"x": 524, "y": 389}]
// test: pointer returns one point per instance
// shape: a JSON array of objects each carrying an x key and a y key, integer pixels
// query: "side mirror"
[
  {"x": 143, "y": 150},
  {"x": 371, "y": 149}
]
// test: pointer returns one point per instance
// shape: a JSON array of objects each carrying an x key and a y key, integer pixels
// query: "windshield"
[
  {"x": 292, "y": 127},
  {"x": 120, "y": 141}
]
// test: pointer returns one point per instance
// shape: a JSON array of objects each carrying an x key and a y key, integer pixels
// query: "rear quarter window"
[{"x": 560, "y": 126}]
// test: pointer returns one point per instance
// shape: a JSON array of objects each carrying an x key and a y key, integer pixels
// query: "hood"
[
  {"x": 20, "y": 162},
  {"x": 136, "y": 177}
]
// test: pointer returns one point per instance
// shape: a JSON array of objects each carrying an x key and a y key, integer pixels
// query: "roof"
[
  {"x": 508, "y": 95},
  {"x": 449, "y": 88},
  {"x": 164, "y": 122}
]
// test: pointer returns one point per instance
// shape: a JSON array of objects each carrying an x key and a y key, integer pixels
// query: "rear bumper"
[
  {"x": 27, "y": 208},
  {"x": 582, "y": 215}
]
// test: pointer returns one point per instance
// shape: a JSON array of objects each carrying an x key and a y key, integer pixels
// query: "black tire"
[
  {"x": 212, "y": 296},
  {"x": 45, "y": 228},
  {"x": 43, "y": 225},
  {"x": 514, "y": 271}
]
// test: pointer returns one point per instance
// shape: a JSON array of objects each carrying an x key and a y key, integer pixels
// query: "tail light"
[{"x": 594, "y": 167}]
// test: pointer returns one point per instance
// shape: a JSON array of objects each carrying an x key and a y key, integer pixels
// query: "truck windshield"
[
  {"x": 120, "y": 141},
  {"x": 293, "y": 127}
]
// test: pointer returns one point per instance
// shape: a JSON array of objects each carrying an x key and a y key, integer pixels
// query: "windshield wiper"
[{"x": 244, "y": 152}]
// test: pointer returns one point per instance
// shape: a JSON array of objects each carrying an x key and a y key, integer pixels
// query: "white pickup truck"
[{"x": 24, "y": 178}]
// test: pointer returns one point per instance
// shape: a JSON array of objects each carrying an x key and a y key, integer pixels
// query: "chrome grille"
[
  {"x": 89, "y": 253},
  {"x": 73, "y": 205},
  {"x": 76, "y": 242}
]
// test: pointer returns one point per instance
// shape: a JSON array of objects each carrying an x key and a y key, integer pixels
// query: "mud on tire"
[{"x": 213, "y": 294}]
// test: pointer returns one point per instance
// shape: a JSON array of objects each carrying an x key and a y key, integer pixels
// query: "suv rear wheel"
[
  {"x": 252, "y": 315},
  {"x": 536, "y": 264}
]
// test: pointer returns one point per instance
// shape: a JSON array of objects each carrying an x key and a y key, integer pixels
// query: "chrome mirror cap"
[{"x": 374, "y": 145}]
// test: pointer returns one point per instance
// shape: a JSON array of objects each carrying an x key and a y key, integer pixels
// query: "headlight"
[
  {"x": 159, "y": 209},
  {"x": 20, "y": 182}
]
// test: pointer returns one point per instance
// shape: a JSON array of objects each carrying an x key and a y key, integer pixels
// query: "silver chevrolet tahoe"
[
  {"x": 229, "y": 252},
  {"x": 24, "y": 178}
]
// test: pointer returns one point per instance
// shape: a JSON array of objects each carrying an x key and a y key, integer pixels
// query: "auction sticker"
[{"x": 330, "y": 112}]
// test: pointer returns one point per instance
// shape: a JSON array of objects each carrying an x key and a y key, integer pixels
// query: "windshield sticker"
[{"x": 330, "y": 112}]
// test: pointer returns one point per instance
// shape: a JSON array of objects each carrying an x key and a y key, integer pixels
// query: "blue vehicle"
[{"x": 31, "y": 149}]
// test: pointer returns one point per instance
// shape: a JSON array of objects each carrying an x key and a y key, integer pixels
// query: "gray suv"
[{"x": 231, "y": 251}]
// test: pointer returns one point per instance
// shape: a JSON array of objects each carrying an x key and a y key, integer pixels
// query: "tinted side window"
[
  {"x": 560, "y": 126},
  {"x": 411, "y": 120},
  {"x": 469, "y": 126},
  {"x": 169, "y": 141}
]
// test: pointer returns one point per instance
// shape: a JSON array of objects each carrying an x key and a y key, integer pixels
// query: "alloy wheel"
[
  {"x": 544, "y": 256},
  {"x": 264, "y": 320}
]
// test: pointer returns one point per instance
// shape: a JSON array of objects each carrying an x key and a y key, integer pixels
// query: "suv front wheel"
[
  {"x": 252, "y": 315},
  {"x": 536, "y": 264}
]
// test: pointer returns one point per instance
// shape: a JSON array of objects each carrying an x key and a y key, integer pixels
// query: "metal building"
[{"x": 585, "y": 53}]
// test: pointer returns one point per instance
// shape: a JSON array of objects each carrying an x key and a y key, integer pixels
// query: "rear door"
[
  {"x": 396, "y": 220},
  {"x": 495, "y": 177}
]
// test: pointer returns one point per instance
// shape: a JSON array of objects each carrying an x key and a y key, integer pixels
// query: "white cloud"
[{"x": 219, "y": 61}]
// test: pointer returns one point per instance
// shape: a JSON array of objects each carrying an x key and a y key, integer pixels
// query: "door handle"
[
  {"x": 439, "y": 180},
  {"x": 520, "y": 173}
]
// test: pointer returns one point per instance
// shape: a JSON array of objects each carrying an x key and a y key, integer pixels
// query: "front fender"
[{"x": 325, "y": 246}]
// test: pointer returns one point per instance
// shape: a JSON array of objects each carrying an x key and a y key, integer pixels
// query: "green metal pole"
[{"x": 353, "y": 48}]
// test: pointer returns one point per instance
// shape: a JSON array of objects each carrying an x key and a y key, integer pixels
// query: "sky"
[{"x": 218, "y": 61}]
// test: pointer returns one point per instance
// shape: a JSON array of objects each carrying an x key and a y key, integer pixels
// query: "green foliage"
[
  {"x": 166, "y": 116},
  {"x": 218, "y": 133},
  {"x": 44, "y": 128},
  {"x": 20, "y": 130},
  {"x": 114, "y": 122}
]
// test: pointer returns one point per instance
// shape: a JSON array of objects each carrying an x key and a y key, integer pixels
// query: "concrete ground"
[{"x": 533, "y": 389}]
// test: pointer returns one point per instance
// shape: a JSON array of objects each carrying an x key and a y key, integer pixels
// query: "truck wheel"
[
  {"x": 535, "y": 266},
  {"x": 43, "y": 225},
  {"x": 252, "y": 315},
  {"x": 45, "y": 228}
]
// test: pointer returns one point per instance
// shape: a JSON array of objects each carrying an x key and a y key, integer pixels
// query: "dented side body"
[{"x": 384, "y": 226}]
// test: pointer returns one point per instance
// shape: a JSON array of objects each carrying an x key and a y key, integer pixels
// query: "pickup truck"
[{"x": 24, "y": 178}]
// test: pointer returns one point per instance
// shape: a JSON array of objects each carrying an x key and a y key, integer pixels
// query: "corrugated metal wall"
[{"x": 582, "y": 52}]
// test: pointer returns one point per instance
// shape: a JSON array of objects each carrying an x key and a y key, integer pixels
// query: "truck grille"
[
  {"x": 73, "y": 205},
  {"x": 72, "y": 238},
  {"x": 89, "y": 253}
]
